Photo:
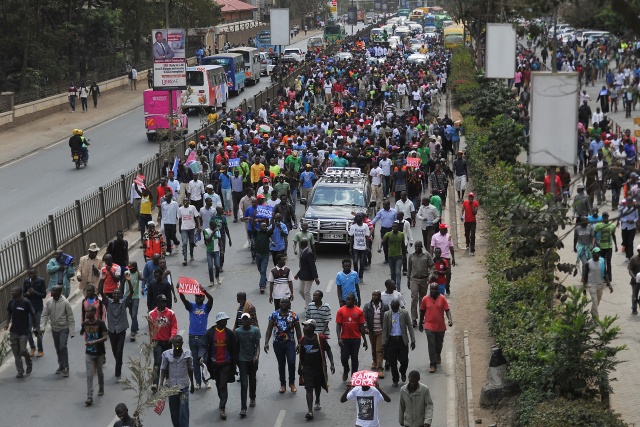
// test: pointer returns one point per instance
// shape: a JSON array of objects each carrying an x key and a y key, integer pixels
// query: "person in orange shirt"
[{"x": 256, "y": 169}]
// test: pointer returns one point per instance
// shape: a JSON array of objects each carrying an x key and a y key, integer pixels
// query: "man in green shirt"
[
  {"x": 340, "y": 161},
  {"x": 424, "y": 152},
  {"x": 282, "y": 187},
  {"x": 248, "y": 339},
  {"x": 293, "y": 161},
  {"x": 395, "y": 240},
  {"x": 304, "y": 234},
  {"x": 605, "y": 232},
  {"x": 437, "y": 202}
]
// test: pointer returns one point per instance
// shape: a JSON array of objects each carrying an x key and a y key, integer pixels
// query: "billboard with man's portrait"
[{"x": 168, "y": 44}]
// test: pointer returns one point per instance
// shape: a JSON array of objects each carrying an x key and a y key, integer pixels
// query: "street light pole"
[{"x": 166, "y": 22}]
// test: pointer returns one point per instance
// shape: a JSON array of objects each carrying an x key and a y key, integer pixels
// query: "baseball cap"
[
  {"x": 580, "y": 187},
  {"x": 471, "y": 194},
  {"x": 209, "y": 186},
  {"x": 162, "y": 298},
  {"x": 245, "y": 315},
  {"x": 605, "y": 214},
  {"x": 151, "y": 224},
  {"x": 260, "y": 196},
  {"x": 443, "y": 226},
  {"x": 265, "y": 180},
  {"x": 310, "y": 322},
  {"x": 596, "y": 249}
]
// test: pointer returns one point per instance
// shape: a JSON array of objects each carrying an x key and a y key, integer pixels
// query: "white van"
[{"x": 251, "y": 57}]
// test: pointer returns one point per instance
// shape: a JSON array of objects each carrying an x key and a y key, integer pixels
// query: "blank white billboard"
[
  {"x": 499, "y": 61},
  {"x": 554, "y": 109},
  {"x": 280, "y": 27}
]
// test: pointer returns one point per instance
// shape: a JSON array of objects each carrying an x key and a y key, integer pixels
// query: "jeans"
[
  {"x": 117, "y": 347},
  {"x": 386, "y": 185},
  {"x": 349, "y": 350},
  {"x": 395, "y": 268},
  {"x": 60, "y": 339},
  {"x": 359, "y": 261},
  {"x": 95, "y": 100},
  {"x": 434, "y": 340},
  {"x": 627, "y": 241},
  {"x": 221, "y": 374},
  {"x": 83, "y": 101},
  {"x": 30, "y": 336},
  {"x": 19, "y": 350},
  {"x": 262, "y": 262},
  {"x": 607, "y": 254},
  {"x": 94, "y": 364},
  {"x": 157, "y": 358},
  {"x": 195, "y": 344},
  {"x": 143, "y": 219},
  {"x": 470, "y": 235},
  {"x": 179, "y": 408},
  {"x": 133, "y": 312},
  {"x": 227, "y": 199},
  {"x": 397, "y": 351},
  {"x": 294, "y": 197},
  {"x": 188, "y": 236},
  {"x": 72, "y": 102},
  {"x": 635, "y": 288},
  {"x": 247, "y": 371},
  {"x": 286, "y": 355},
  {"x": 213, "y": 259},
  {"x": 615, "y": 197}
]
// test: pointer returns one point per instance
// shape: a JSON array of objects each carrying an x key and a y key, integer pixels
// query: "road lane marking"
[
  {"x": 280, "y": 418},
  {"x": 55, "y": 209},
  {"x": 9, "y": 235},
  {"x": 329, "y": 285},
  {"x": 87, "y": 189}
]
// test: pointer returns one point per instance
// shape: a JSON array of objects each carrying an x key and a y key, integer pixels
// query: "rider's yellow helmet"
[
  {"x": 80, "y": 132},
  {"x": 75, "y": 131}
]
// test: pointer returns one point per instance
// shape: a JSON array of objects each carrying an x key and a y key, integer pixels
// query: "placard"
[
  {"x": 338, "y": 110},
  {"x": 364, "y": 378},
  {"x": 159, "y": 407},
  {"x": 413, "y": 162},
  {"x": 188, "y": 286},
  {"x": 234, "y": 162},
  {"x": 264, "y": 211},
  {"x": 139, "y": 181}
]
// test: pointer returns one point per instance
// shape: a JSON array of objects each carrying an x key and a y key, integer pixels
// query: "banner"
[
  {"x": 189, "y": 286},
  {"x": 139, "y": 181},
  {"x": 413, "y": 162},
  {"x": 264, "y": 211},
  {"x": 364, "y": 378},
  {"x": 168, "y": 44},
  {"x": 234, "y": 163}
]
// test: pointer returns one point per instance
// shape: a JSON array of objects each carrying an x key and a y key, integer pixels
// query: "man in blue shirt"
[
  {"x": 306, "y": 182},
  {"x": 225, "y": 189},
  {"x": 387, "y": 217},
  {"x": 278, "y": 238},
  {"x": 347, "y": 281},
  {"x": 627, "y": 219},
  {"x": 198, "y": 316}
]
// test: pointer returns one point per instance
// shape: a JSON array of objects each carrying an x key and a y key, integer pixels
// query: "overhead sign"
[
  {"x": 187, "y": 285},
  {"x": 169, "y": 63}
]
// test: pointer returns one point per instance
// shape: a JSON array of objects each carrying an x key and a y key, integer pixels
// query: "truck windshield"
[
  {"x": 332, "y": 29},
  {"x": 337, "y": 196}
]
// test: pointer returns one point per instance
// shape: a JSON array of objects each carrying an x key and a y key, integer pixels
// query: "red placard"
[
  {"x": 139, "y": 180},
  {"x": 187, "y": 285},
  {"x": 159, "y": 407},
  {"x": 413, "y": 162},
  {"x": 364, "y": 378},
  {"x": 338, "y": 110}
]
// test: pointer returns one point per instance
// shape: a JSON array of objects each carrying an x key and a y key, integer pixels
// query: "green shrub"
[
  {"x": 570, "y": 413},
  {"x": 464, "y": 91}
]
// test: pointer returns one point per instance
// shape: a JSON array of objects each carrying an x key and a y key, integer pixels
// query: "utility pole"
[{"x": 166, "y": 22}]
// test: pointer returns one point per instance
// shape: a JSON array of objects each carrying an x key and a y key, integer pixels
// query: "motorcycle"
[{"x": 76, "y": 156}]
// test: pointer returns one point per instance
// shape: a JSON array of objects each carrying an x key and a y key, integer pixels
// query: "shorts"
[
  {"x": 312, "y": 379},
  {"x": 460, "y": 183}
]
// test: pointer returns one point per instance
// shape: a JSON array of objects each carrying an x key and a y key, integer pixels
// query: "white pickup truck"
[{"x": 293, "y": 55}]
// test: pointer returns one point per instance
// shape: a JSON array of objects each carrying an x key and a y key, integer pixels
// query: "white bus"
[
  {"x": 207, "y": 88},
  {"x": 251, "y": 57}
]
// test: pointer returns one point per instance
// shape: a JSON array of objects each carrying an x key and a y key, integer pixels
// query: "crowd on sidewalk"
[{"x": 364, "y": 113}]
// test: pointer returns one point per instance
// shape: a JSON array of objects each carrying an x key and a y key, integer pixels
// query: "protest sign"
[
  {"x": 364, "y": 378},
  {"x": 159, "y": 407},
  {"x": 264, "y": 212},
  {"x": 338, "y": 110},
  {"x": 234, "y": 162},
  {"x": 413, "y": 162},
  {"x": 139, "y": 181},
  {"x": 189, "y": 286}
]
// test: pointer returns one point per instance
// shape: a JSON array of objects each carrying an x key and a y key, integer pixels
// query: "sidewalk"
[{"x": 21, "y": 140}]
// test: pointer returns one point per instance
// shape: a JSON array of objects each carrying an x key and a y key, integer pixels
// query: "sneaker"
[
  {"x": 317, "y": 407},
  {"x": 89, "y": 401},
  {"x": 223, "y": 414},
  {"x": 208, "y": 385},
  {"x": 154, "y": 388},
  {"x": 65, "y": 372},
  {"x": 132, "y": 337},
  {"x": 197, "y": 387},
  {"x": 40, "y": 353},
  {"x": 634, "y": 312},
  {"x": 59, "y": 371},
  {"x": 473, "y": 253},
  {"x": 101, "y": 392},
  {"x": 252, "y": 403},
  {"x": 32, "y": 352},
  {"x": 211, "y": 285},
  {"x": 243, "y": 413},
  {"x": 218, "y": 282},
  {"x": 29, "y": 368},
  {"x": 403, "y": 377},
  {"x": 19, "y": 375},
  {"x": 345, "y": 375},
  {"x": 395, "y": 384}
]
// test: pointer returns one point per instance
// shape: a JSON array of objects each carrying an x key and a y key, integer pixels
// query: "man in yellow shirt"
[{"x": 256, "y": 169}]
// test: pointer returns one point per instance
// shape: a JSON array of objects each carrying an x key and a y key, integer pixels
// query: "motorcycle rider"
[{"x": 79, "y": 144}]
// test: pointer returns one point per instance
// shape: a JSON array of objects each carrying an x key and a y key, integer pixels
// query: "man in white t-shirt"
[
  {"x": 385, "y": 165},
  {"x": 358, "y": 235},
  {"x": 187, "y": 215},
  {"x": 402, "y": 93},
  {"x": 196, "y": 191},
  {"x": 375, "y": 178},
  {"x": 367, "y": 400}
]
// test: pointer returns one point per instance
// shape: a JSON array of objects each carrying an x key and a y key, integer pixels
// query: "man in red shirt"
[
  {"x": 162, "y": 328},
  {"x": 547, "y": 184},
  {"x": 441, "y": 268},
  {"x": 350, "y": 331},
  {"x": 470, "y": 210},
  {"x": 109, "y": 276},
  {"x": 432, "y": 310},
  {"x": 163, "y": 189}
]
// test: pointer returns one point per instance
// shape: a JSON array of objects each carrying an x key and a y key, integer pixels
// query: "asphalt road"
[
  {"x": 47, "y": 181},
  {"x": 44, "y": 399}
]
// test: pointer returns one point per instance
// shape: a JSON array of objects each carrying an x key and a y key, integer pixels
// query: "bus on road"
[
  {"x": 207, "y": 88},
  {"x": 262, "y": 41},
  {"x": 251, "y": 61},
  {"x": 234, "y": 66},
  {"x": 453, "y": 36},
  {"x": 334, "y": 33},
  {"x": 404, "y": 13}
]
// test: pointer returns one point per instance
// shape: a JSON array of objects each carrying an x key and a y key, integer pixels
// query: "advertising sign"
[
  {"x": 169, "y": 63},
  {"x": 186, "y": 285}
]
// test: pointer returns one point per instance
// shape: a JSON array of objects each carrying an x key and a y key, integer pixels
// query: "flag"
[
  {"x": 190, "y": 158},
  {"x": 175, "y": 167}
]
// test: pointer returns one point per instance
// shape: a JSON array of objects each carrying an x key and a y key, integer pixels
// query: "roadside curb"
[{"x": 467, "y": 378}]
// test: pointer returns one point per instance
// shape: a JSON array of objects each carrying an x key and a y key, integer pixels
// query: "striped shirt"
[
  {"x": 280, "y": 278},
  {"x": 321, "y": 315}
]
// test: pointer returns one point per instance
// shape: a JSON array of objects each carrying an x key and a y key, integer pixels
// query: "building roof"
[{"x": 234, "y": 6}]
